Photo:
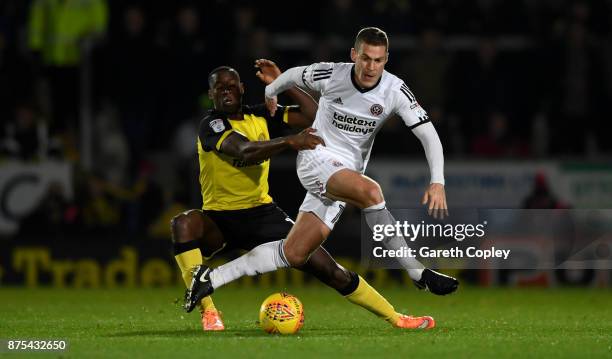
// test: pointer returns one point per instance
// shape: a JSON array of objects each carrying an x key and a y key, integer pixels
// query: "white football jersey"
[{"x": 348, "y": 117}]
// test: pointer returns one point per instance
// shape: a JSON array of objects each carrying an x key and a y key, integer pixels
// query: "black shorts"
[{"x": 248, "y": 228}]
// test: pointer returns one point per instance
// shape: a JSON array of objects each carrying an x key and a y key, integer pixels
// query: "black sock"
[{"x": 352, "y": 286}]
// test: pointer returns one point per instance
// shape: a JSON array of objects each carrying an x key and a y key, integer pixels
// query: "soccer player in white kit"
[{"x": 356, "y": 100}]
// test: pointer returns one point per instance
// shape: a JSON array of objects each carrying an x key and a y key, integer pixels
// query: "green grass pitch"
[{"x": 474, "y": 322}]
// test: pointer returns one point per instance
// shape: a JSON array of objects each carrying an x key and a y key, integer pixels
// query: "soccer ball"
[{"x": 281, "y": 313}]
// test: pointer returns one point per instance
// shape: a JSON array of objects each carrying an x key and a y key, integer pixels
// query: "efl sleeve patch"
[
  {"x": 212, "y": 128},
  {"x": 217, "y": 125},
  {"x": 409, "y": 109}
]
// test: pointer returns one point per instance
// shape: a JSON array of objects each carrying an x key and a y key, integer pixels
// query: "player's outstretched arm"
[
  {"x": 267, "y": 72},
  {"x": 238, "y": 146},
  {"x": 417, "y": 120},
  {"x": 435, "y": 195},
  {"x": 285, "y": 81}
]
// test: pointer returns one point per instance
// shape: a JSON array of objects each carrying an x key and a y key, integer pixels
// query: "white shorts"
[
  {"x": 327, "y": 210},
  {"x": 314, "y": 168}
]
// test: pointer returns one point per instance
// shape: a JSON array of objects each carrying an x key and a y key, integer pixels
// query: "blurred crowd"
[{"x": 500, "y": 79}]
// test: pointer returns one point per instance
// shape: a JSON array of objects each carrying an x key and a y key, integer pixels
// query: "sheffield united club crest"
[{"x": 376, "y": 110}]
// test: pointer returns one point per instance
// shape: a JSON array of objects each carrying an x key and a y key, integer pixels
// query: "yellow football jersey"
[{"x": 229, "y": 183}]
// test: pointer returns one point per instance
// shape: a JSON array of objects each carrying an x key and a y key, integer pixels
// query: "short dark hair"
[
  {"x": 220, "y": 69},
  {"x": 371, "y": 36}
]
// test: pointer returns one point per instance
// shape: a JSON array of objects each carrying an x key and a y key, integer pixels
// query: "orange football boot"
[
  {"x": 410, "y": 322},
  {"x": 211, "y": 320}
]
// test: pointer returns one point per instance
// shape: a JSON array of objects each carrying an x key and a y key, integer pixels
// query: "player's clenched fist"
[{"x": 305, "y": 140}]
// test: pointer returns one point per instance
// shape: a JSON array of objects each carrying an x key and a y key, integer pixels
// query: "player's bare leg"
[
  {"x": 196, "y": 236},
  {"x": 323, "y": 267},
  {"x": 306, "y": 235},
  {"x": 355, "y": 188}
]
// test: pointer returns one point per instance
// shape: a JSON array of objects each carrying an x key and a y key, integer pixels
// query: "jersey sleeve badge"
[{"x": 217, "y": 125}]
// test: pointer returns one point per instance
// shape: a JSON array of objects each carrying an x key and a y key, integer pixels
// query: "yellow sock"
[
  {"x": 368, "y": 298},
  {"x": 186, "y": 261}
]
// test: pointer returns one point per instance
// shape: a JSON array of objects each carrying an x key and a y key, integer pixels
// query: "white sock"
[
  {"x": 264, "y": 258},
  {"x": 379, "y": 214}
]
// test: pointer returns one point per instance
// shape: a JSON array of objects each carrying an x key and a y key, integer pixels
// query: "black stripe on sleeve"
[
  {"x": 408, "y": 94},
  {"x": 407, "y": 89},
  {"x": 321, "y": 74},
  {"x": 418, "y": 124},
  {"x": 319, "y": 77}
]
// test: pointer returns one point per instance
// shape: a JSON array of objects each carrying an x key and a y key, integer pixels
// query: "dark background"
[{"x": 501, "y": 79}]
